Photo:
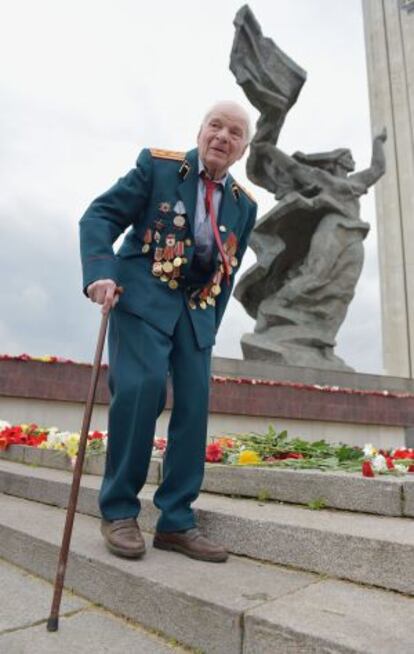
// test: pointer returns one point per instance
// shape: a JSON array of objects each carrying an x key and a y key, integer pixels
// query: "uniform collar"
[{"x": 222, "y": 181}]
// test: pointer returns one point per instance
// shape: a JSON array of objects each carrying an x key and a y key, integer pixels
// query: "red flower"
[
  {"x": 390, "y": 464},
  {"x": 214, "y": 453},
  {"x": 284, "y": 455},
  {"x": 14, "y": 435},
  {"x": 403, "y": 453},
  {"x": 410, "y": 469},
  {"x": 367, "y": 470},
  {"x": 95, "y": 436},
  {"x": 35, "y": 439}
]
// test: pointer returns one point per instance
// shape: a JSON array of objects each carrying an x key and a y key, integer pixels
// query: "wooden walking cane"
[{"x": 53, "y": 620}]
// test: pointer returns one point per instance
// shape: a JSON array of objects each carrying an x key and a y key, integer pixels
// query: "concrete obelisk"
[{"x": 389, "y": 38}]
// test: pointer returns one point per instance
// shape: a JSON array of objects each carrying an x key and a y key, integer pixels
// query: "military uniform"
[{"x": 166, "y": 320}]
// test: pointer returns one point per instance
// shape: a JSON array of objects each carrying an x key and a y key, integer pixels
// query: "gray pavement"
[{"x": 83, "y": 627}]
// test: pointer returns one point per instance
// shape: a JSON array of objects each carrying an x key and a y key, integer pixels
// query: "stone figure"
[{"x": 309, "y": 246}]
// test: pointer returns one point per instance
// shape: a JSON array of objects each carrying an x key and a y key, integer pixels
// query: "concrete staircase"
[{"x": 339, "y": 579}]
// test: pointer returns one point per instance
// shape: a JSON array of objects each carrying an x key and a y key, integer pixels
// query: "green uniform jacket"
[{"x": 157, "y": 201}]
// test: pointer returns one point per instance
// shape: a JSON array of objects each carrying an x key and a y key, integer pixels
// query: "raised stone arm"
[{"x": 370, "y": 175}]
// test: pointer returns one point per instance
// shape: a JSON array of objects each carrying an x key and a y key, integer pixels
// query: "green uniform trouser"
[{"x": 140, "y": 357}]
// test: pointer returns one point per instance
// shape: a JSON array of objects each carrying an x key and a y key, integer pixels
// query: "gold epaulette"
[
  {"x": 167, "y": 154},
  {"x": 246, "y": 192}
]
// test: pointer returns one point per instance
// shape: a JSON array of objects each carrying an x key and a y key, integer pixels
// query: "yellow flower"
[
  {"x": 72, "y": 444},
  {"x": 248, "y": 457},
  {"x": 72, "y": 449}
]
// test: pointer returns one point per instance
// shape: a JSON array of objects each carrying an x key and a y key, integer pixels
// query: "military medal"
[
  {"x": 159, "y": 254},
  {"x": 167, "y": 266},
  {"x": 157, "y": 268},
  {"x": 203, "y": 305},
  {"x": 231, "y": 244},
  {"x": 147, "y": 240},
  {"x": 173, "y": 284},
  {"x": 177, "y": 262},
  {"x": 179, "y": 249},
  {"x": 222, "y": 228},
  {"x": 164, "y": 207},
  {"x": 157, "y": 236},
  {"x": 179, "y": 221},
  {"x": 188, "y": 242},
  {"x": 215, "y": 289},
  {"x": 164, "y": 278},
  {"x": 169, "y": 246}
]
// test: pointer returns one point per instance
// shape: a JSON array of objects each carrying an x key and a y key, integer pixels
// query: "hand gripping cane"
[{"x": 53, "y": 620}]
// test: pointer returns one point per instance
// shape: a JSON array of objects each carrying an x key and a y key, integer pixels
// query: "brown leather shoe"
[
  {"x": 191, "y": 543},
  {"x": 123, "y": 537}
]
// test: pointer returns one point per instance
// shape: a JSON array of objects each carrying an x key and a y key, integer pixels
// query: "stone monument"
[
  {"x": 309, "y": 246},
  {"x": 389, "y": 40}
]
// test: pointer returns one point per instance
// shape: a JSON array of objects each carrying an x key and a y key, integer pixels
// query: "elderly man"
[{"x": 189, "y": 225}]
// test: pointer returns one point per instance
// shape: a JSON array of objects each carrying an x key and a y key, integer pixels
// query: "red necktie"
[{"x": 210, "y": 188}]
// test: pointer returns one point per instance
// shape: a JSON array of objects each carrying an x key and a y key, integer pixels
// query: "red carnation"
[
  {"x": 214, "y": 453},
  {"x": 95, "y": 436},
  {"x": 403, "y": 453},
  {"x": 367, "y": 470},
  {"x": 389, "y": 462}
]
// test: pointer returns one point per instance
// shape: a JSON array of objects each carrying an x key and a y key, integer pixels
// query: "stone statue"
[{"x": 309, "y": 246}]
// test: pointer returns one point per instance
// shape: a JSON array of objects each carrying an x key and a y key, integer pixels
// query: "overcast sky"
[{"x": 85, "y": 84}]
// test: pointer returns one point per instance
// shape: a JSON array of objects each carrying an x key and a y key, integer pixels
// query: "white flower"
[
  {"x": 55, "y": 439},
  {"x": 4, "y": 425},
  {"x": 379, "y": 463},
  {"x": 369, "y": 450},
  {"x": 400, "y": 468}
]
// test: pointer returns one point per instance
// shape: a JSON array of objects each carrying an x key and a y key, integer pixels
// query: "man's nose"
[{"x": 223, "y": 134}]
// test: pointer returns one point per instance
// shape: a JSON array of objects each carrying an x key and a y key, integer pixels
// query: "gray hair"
[{"x": 233, "y": 106}]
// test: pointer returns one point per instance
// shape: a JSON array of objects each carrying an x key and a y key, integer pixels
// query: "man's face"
[
  {"x": 347, "y": 161},
  {"x": 222, "y": 140}
]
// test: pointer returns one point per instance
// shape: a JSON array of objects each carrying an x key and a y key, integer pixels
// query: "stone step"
[
  {"x": 377, "y": 550},
  {"x": 338, "y": 490},
  {"x": 240, "y": 607}
]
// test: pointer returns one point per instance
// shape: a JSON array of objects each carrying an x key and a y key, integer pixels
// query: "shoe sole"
[
  {"x": 170, "y": 547},
  {"x": 125, "y": 554}
]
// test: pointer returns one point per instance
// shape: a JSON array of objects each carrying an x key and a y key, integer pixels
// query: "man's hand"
[{"x": 103, "y": 292}]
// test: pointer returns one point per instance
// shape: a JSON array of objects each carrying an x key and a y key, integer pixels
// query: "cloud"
[{"x": 89, "y": 83}]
